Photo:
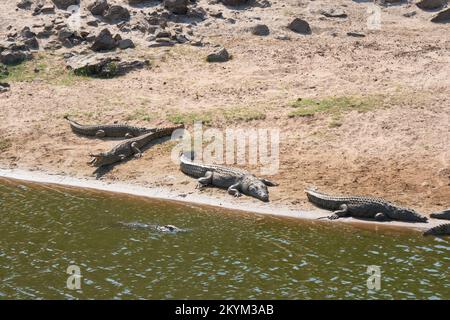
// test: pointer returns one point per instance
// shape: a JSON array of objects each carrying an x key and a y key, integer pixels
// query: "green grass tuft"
[{"x": 305, "y": 107}]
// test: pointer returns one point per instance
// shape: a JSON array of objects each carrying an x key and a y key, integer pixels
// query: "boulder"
[
  {"x": 98, "y": 7},
  {"x": 116, "y": 13},
  {"x": 24, "y": 4},
  {"x": 64, "y": 4},
  {"x": 176, "y": 6},
  {"x": 103, "y": 65},
  {"x": 220, "y": 55},
  {"x": 104, "y": 41},
  {"x": 10, "y": 57},
  {"x": 126, "y": 43},
  {"x": 442, "y": 16},
  {"x": 260, "y": 30},
  {"x": 233, "y": 3},
  {"x": 430, "y": 4},
  {"x": 299, "y": 26}
]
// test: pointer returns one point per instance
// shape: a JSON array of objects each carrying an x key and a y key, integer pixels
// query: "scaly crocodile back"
[
  {"x": 330, "y": 202},
  {"x": 111, "y": 130},
  {"x": 198, "y": 169}
]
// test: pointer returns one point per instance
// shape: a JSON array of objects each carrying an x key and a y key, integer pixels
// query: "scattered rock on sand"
[
  {"x": 442, "y": 16},
  {"x": 116, "y": 13},
  {"x": 4, "y": 87},
  {"x": 3, "y": 71},
  {"x": 430, "y": 4},
  {"x": 260, "y": 30},
  {"x": 176, "y": 6},
  {"x": 24, "y": 4},
  {"x": 220, "y": 55},
  {"x": 234, "y": 2},
  {"x": 64, "y": 4},
  {"x": 97, "y": 7},
  {"x": 126, "y": 43},
  {"x": 300, "y": 26},
  {"x": 356, "y": 34},
  {"x": 104, "y": 41},
  {"x": 333, "y": 13},
  {"x": 102, "y": 65},
  {"x": 10, "y": 57}
]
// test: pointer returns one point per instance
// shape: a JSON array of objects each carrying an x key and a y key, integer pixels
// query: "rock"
[
  {"x": 410, "y": 14},
  {"x": 32, "y": 43},
  {"x": 4, "y": 87},
  {"x": 430, "y": 4},
  {"x": 116, "y": 13},
  {"x": 104, "y": 41},
  {"x": 300, "y": 26},
  {"x": 27, "y": 33},
  {"x": 3, "y": 71},
  {"x": 45, "y": 9},
  {"x": 126, "y": 43},
  {"x": 221, "y": 55},
  {"x": 260, "y": 30},
  {"x": 233, "y": 3},
  {"x": 64, "y": 4},
  {"x": 176, "y": 6},
  {"x": 284, "y": 37},
  {"x": 24, "y": 4},
  {"x": 162, "y": 42},
  {"x": 103, "y": 65},
  {"x": 356, "y": 34},
  {"x": 98, "y": 7},
  {"x": 9, "y": 57},
  {"x": 442, "y": 16},
  {"x": 333, "y": 13}
]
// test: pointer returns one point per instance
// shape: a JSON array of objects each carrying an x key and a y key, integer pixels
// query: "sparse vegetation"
[
  {"x": 44, "y": 67},
  {"x": 189, "y": 118},
  {"x": 140, "y": 114},
  {"x": 336, "y": 106},
  {"x": 4, "y": 144},
  {"x": 242, "y": 114}
]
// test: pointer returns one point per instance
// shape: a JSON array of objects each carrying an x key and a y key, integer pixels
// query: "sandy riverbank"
[{"x": 170, "y": 195}]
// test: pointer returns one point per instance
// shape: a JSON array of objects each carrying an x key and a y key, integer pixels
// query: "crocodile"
[
  {"x": 168, "y": 228},
  {"x": 362, "y": 207},
  {"x": 130, "y": 147},
  {"x": 441, "y": 215},
  {"x": 237, "y": 181},
  {"x": 440, "y": 230},
  {"x": 108, "y": 130}
]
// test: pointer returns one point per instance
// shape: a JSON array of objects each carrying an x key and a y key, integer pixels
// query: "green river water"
[{"x": 225, "y": 254}]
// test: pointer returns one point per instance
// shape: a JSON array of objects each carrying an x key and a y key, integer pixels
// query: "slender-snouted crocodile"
[
  {"x": 441, "y": 215},
  {"x": 130, "y": 147},
  {"x": 107, "y": 130},
  {"x": 362, "y": 207},
  {"x": 440, "y": 230},
  {"x": 237, "y": 181}
]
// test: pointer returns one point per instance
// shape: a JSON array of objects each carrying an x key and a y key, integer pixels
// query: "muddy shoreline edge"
[{"x": 161, "y": 193}]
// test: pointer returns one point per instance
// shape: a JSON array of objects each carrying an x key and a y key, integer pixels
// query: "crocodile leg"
[
  {"x": 129, "y": 135},
  {"x": 269, "y": 183},
  {"x": 234, "y": 190},
  {"x": 137, "y": 151},
  {"x": 100, "y": 134},
  {"x": 380, "y": 216},
  {"x": 204, "y": 181},
  {"x": 342, "y": 212}
]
